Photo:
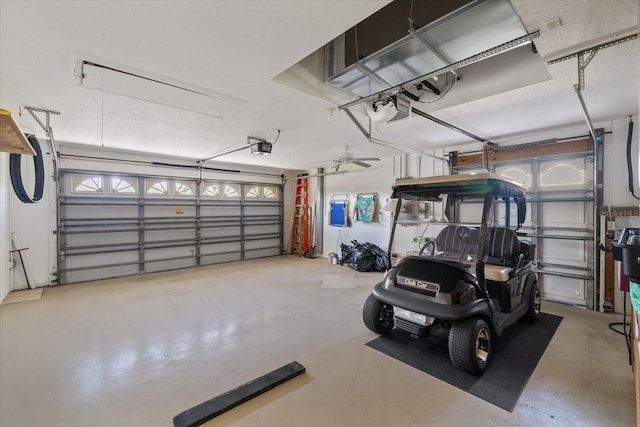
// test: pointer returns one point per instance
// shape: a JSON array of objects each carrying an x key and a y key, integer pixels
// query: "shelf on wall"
[{"x": 12, "y": 140}]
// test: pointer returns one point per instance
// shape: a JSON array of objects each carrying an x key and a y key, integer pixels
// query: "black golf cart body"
[{"x": 471, "y": 278}]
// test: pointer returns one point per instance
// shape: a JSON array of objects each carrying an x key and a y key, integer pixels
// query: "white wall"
[
  {"x": 34, "y": 225},
  {"x": 5, "y": 239},
  {"x": 379, "y": 178},
  {"x": 615, "y": 177}
]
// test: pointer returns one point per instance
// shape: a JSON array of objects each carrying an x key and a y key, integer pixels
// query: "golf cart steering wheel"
[{"x": 432, "y": 251}]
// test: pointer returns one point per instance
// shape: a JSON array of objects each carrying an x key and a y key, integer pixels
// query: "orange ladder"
[{"x": 299, "y": 241}]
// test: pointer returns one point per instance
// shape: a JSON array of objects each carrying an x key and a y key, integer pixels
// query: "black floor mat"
[{"x": 515, "y": 356}]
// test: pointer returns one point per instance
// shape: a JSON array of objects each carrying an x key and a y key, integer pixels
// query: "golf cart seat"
[
  {"x": 449, "y": 241},
  {"x": 504, "y": 248}
]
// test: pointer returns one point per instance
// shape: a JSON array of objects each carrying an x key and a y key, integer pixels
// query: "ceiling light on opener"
[{"x": 259, "y": 146}]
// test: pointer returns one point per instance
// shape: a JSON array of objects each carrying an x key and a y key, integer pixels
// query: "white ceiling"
[{"x": 250, "y": 50}]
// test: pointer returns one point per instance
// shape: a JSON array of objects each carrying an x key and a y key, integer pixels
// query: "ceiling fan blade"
[
  {"x": 337, "y": 166},
  {"x": 372, "y": 159},
  {"x": 364, "y": 165}
]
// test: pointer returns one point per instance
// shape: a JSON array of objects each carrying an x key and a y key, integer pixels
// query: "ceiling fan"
[{"x": 347, "y": 158}]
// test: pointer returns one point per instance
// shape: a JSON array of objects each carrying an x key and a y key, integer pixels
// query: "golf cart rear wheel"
[
  {"x": 470, "y": 345},
  {"x": 377, "y": 315},
  {"x": 535, "y": 303}
]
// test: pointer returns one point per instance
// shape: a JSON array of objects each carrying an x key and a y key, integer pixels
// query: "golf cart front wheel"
[
  {"x": 377, "y": 315},
  {"x": 470, "y": 343}
]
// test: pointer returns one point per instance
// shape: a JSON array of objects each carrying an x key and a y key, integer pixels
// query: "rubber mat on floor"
[{"x": 515, "y": 356}]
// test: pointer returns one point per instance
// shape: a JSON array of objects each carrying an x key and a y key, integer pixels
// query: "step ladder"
[{"x": 299, "y": 241}]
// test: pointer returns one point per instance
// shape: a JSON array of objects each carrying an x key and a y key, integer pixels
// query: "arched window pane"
[
  {"x": 252, "y": 192},
  {"x": 87, "y": 184},
  {"x": 185, "y": 188},
  {"x": 211, "y": 190},
  {"x": 231, "y": 190},
  {"x": 156, "y": 186},
  {"x": 124, "y": 185},
  {"x": 563, "y": 173},
  {"x": 270, "y": 192}
]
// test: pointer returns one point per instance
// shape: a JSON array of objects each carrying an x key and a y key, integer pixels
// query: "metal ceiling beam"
[
  {"x": 449, "y": 125},
  {"x": 594, "y": 48},
  {"x": 387, "y": 144}
]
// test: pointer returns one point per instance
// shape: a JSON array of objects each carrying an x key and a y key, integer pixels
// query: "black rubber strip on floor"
[{"x": 210, "y": 409}]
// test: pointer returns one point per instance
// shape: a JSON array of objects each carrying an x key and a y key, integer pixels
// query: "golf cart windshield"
[{"x": 443, "y": 217}]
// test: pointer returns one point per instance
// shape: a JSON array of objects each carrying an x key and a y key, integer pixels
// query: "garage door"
[
  {"x": 560, "y": 222},
  {"x": 113, "y": 225}
]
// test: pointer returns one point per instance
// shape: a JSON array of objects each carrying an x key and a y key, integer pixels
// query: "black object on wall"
[{"x": 16, "y": 174}]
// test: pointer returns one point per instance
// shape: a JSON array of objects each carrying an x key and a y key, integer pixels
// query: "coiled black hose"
[
  {"x": 16, "y": 174},
  {"x": 630, "y": 162}
]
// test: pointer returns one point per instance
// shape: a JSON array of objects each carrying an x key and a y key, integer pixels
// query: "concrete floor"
[{"x": 137, "y": 351}]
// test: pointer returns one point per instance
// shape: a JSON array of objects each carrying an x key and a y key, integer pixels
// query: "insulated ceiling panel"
[{"x": 468, "y": 31}]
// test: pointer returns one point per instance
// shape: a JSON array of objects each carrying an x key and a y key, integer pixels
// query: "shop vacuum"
[{"x": 626, "y": 248}]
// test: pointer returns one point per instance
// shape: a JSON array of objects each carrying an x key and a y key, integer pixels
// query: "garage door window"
[
  {"x": 563, "y": 174},
  {"x": 210, "y": 190},
  {"x": 253, "y": 192},
  {"x": 124, "y": 185},
  {"x": 87, "y": 184},
  {"x": 521, "y": 173},
  {"x": 270, "y": 192},
  {"x": 156, "y": 187},
  {"x": 185, "y": 188},
  {"x": 232, "y": 190}
]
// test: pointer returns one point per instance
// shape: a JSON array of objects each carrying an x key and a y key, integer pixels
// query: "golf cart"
[{"x": 466, "y": 280}]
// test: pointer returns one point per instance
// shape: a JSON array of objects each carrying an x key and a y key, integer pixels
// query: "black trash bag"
[
  {"x": 347, "y": 254},
  {"x": 382, "y": 262},
  {"x": 363, "y": 258}
]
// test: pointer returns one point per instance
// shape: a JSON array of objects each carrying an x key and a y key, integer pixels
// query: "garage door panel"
[
  {"x": 169, "y": 235},
  {"x": 261, "y": 243},
  {"x": 235, "y": 232},
  {"x": 563, "y": 214},
  {"x": 251, "y": 230},
  {"x": 254, "y": 210},
  {"x": 262, "y": 253},
  {"x": 220, "y": 248},
  {"x": 101, "y": 272},
  {"x": 165, "y": 224},
  {"x": 152, "y": 265},
  {"x": 562, "y": 289},
  {"x": 113, "y": 237},
  {"x": 559, "y": 250},
  {"x": 100, "y": 211},
  {"x": 90, "y": 260},
  {"x": 179, "y": 211},
  {"x": 232, "y": 211}
]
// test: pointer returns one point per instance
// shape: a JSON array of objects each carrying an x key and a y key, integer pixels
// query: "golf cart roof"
[{"x": 458, "y": 185}]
